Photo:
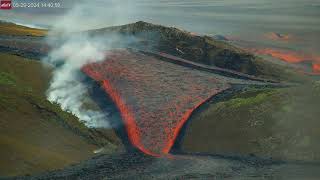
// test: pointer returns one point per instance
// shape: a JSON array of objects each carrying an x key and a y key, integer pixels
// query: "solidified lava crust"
[{"x": 155, "y": 98}]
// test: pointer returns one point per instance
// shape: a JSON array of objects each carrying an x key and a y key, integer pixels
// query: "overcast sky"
[{"x": 180, "y": 12}]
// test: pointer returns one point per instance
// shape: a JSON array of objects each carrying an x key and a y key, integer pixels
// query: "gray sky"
[{"x": 109, "y": 12}]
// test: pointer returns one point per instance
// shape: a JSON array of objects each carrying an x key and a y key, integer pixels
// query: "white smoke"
[
  {"x": 67, "y": 87},
  {"x": 98, "y": 14},
  {"x": 70, "y": 51}
]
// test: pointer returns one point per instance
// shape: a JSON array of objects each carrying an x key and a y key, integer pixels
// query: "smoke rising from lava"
[
  {"x": 67, "y": 87},
  {"x": 71, "y": 49}
]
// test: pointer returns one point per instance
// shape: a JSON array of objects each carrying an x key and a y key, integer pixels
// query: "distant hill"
[
  {"x": 201, "y": 49},
  {"x": 7, "y": 28}
]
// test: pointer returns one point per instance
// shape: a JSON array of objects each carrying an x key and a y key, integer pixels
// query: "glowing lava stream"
[
  {"x": 290, "y": 57},
  {"x": 127, "y": 115},
  {"x": 316, "y": 68},
  {"x": 131, "y": 126},
  {"x": 155, "y": 98}
]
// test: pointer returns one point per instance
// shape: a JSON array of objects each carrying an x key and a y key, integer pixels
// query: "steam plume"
[
  {"x": 67, "y": 87},
  {"x": 70, "y": 51}
]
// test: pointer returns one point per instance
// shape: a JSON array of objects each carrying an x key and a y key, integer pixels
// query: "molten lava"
[
  {"x": 291, "y": 57},
  {"x": 316, "y": 68},
  {"x": 288, "y": 56},
  {"x": 155, "y": 98}
]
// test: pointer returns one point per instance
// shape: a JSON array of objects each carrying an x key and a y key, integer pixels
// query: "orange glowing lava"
[
  {"x": 155, "y": 98},
  {"x": 286, "y": 55},
  {"x": 291, "y": 57},
  {"x": 316, "y": 68}
]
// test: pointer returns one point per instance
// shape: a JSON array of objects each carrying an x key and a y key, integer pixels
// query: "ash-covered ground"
[{"x": 140, "y": 166}]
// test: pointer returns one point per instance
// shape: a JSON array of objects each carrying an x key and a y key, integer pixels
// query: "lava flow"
[
  {"x": 155, "y": 98},
  {"x": 291, "y": 57},
  {"x": 288, "y": 56},
  {"x": 316, "y": 68}
]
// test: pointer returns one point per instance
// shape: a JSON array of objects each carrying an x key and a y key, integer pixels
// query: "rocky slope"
[{"x": 201, "y": 49}]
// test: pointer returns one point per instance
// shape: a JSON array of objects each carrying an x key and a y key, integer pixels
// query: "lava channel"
[{"x": 155, "y": 98}]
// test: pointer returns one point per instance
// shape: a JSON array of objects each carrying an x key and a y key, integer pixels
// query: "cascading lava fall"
[{"x": 154, "y": 97}]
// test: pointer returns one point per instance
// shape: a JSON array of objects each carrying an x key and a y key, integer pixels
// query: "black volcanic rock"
[{"x": 201, "y": 49}]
